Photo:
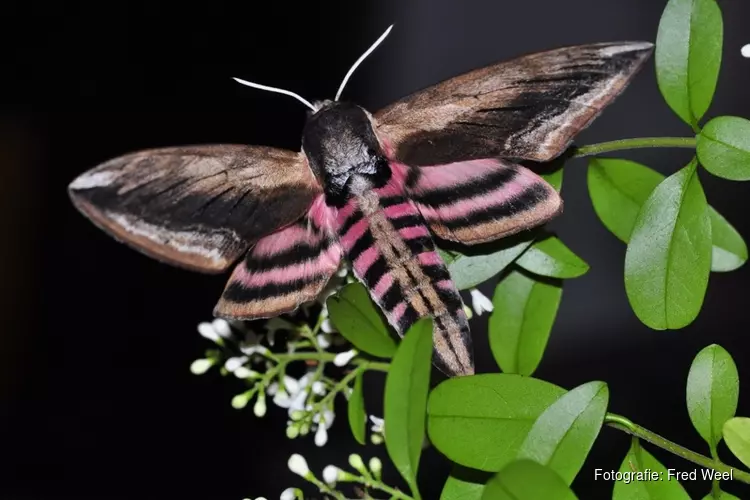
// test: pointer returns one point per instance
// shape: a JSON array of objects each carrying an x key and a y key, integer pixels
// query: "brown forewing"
[
  {"x": 527, "y": 108},
  {"x": 198, "y": 207}
]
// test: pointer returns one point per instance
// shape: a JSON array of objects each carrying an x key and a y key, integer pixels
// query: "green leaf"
[
  {"x": 469, "y": 271},
  {"x": 448, "y": 256},
  {"x": 618, "y": 189},
  {"x": 647, "y": 478},
  {"x": 722, "y": 496},
  {"x": 458, "y": 489},
  {"x": 668, "y": 259},
  {"x": 724, "y": 147},
  {"x": 737, "y": 437},
  {"x": 729, "y": 250},
  {"x": 713, "y": 387},
  {"x": 406, "y": 388},
  {"x": 550, "y": 257},
  {"x": 356, "y": 318},
  {"x": 554, "y": 178},
  {"x": 356, "y": 411},
  {"x": 480, "y": 421},
  {"x": 527, "y": 480},
  {"x": 521, "y": 321},
  {"x": 564, "y": 433},
  {"x": 688, "y": 56}
]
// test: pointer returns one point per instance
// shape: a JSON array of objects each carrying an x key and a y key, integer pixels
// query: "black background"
[{"x": 96, "y": 400}]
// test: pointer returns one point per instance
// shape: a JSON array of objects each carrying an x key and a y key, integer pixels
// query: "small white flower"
[
  {"x": 746, "y": 51},
  {"x": 208, "y": 331},
  {"x": 330, "y": 474},
  {"x": 201, "y": 366},
  {"x": 282, "y": 399},
  {"x": 298, "y": 465},
  {"x": 321, "y": 436},
  {"x": 479, "y": 302},
  {"x": 290, "y": 494},
  {"x": 318, "y": 388},
  {"x": 233, "y": 363},
  {"x": 343, "y": 358},
  {"x": 261, "y": 498},
  {"x": 242, "y": 372},
  {"x": 298, "y": 401},
  {"x": 291, "y": 384},
  {"x": 260, "y": 405},
  {"x": 222, "y": 328},
  {"x": 272, "y": 389},
  {"x": 324, "y": 340},
  {"x": 327, "y": 326},
  {"x": 378, "y": 424}
]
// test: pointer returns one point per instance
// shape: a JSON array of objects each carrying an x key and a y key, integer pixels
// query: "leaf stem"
[
  {"x": 623, "y": 424},
  {"x": 635, "y": 143}
]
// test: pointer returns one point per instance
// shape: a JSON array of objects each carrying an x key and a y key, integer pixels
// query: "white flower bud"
[
  {"x": 298, "y": 465},
  {"x": 243, "y": 372},
  {"x": 260, "y": 405},
  {"x": 327, "y": 326},
  {"x": 321, "y": 436},
  {"x": 318, "y": 388},
  {"x": 343, "y": 358},
  {"x": 330, "y": 474},
  {"x": 468, "y": 312},
  {"x": 240, "y": 400},
  {"x": 282, "y": 399},
  {"x": 208, "y": 331},
  {"x": 290, "y": 494},
  {"x": 296, "y": 415},
  {"x": 292, "y": 431},
  {"x": 376, "y": 438},
  {"x": 356, "y": 462},
  {"x": 222, "y": 327},
  {"x": 201, "y": 366},
  {"x": 376, "y": 466},
  {"x": 324, "y": 340},
  {"x": 746, "y": 51},
  {"x": 291, "y": 384},
  {"x": 233, "y": 363}
]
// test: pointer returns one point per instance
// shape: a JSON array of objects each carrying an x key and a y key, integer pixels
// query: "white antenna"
[
  {"x": 359, "y": 61},
  {"x": 280, "y": 91}
]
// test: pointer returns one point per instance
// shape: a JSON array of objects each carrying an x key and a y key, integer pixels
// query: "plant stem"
[
  {"x": 636, "y": 143},
  {"x": 385, "y": 489},
  {"x": 329, "y": 356},
  {"x": 623, "y": 424}
]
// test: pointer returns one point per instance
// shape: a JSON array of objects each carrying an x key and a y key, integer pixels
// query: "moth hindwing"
[{"x": 375, "y": 189}]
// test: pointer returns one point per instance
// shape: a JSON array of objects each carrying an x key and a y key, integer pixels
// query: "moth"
[{"x": 376, "y": 189}]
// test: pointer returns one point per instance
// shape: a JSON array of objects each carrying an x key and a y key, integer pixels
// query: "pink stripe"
[
  {"x": 366, "y": 259},
  {"x": 284, "y": 240},
  {"x": 400, "y": 210},
  {"x": 409, "y": 233},
  {"x": 447, "y": 284},
  {"x": 322, "y": 215},
  {"x": 430, "y": 259},
  {"x": 398, "y": 174},
  {"x": 455, "y": 174},
  {"x": 345, "y": 211},
  {"x": 464, "y": 208},
  {"x": 326, "y": 261},
  {"x": 383, "y": 285},
  {"x": 397, "y": 312},
  {"x": 355, "y": 233}
]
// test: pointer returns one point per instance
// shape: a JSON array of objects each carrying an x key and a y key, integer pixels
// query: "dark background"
[{"x": 96, "y": 400}]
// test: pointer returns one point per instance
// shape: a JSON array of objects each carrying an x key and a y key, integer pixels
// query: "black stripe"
[
  {"x": 388, "y": 201},
  {"x": 436, "y": 272},
  {"x": 412, "y": 177},
  {"x": 525, "y": 201},
  {"x": 375, "y": 271},
  {"x": 450, "y": 298},
  {"x": 406, "y": 221},
  {"x": 476, "y": 187},
  {"x": 420, "y": 245},
  {"x": 355, "y": 217},
  {"x": 237, "y": 292},
  {"x": 392, "y": 297},
  {"x": 409, "y": 317},
  {"x": 430, "y": 309},
  {"x": 294, "y": 255},
  {"x": 363, "y": 243}
]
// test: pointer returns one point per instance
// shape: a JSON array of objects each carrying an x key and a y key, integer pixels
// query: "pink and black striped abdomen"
[{"x": 393, "y": 254}]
